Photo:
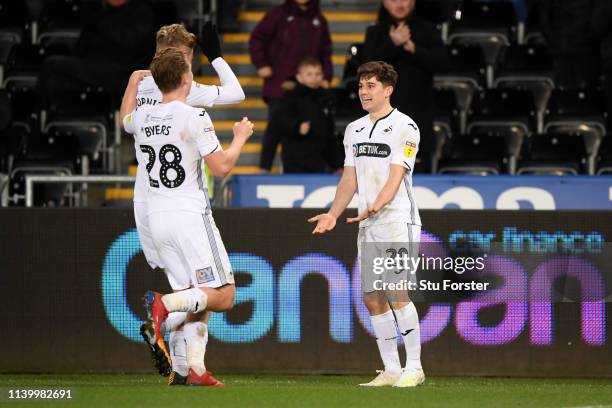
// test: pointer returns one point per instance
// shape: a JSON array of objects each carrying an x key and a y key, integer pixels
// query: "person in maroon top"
[{"x": 286, "y": 35}]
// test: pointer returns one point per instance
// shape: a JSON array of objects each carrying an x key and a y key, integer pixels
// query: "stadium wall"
[{"x": 71, "y": 284}]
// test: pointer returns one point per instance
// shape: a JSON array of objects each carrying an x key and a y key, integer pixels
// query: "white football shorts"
[
  {"x": 190, "y": 247},
  {"x": 386, "y": 241},
  {"x": 141, "y": 216}
]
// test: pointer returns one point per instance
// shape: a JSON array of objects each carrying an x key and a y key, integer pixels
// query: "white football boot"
[
  {"x": 410, "y": 377},
  {"x": 383, "y": 379}
]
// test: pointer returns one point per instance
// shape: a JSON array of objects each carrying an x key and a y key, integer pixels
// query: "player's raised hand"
[
  {"x": 365, "y": 214},
  {"x": 243, "y": 129},
  {"x": 209, "y": 43},
  {"x": 325, "y": 222},
  {"x": 138, "y": 75}
]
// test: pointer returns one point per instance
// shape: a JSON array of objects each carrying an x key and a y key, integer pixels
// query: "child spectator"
[
  {"x": 305, "y": 124},
  {"x": 287, "y": 34}
]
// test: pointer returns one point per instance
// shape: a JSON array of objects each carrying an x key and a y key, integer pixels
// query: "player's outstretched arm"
[
  {"x": 222, "y": 162},
  {"x": 128, "y": 103},
  {"x": 230, "y": 90},
  {"x": 344, "y": 194},
  {"x": 396, "y": 176}
]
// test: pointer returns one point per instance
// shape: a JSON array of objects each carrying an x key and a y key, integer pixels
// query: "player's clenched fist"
[
  {"x": 325, "y": 222},
  {"x": 243, "y": 129}
]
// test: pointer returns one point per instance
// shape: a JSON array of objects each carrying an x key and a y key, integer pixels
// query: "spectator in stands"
[
  {"x": 414, "y": 47},
  {"x": 287, "y": 34},
  {"x": 573, "y": 44},
  {"x": 305, "y": 124},
  {"x": 115, "y": 43}
]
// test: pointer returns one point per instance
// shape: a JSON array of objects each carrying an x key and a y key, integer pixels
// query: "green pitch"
[{"x": 312, "y": 390}]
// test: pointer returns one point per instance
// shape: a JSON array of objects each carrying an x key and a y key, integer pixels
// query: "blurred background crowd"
[{"x": 496, "y": 87}]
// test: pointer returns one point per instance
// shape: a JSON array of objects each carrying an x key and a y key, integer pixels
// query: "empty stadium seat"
[
  {"x": 46, "y": 195},
  {"x": 473, "y": 154},
  {"x": 490, "y": 25},
  {"x": 445, "y": 107},
  {"x": 14, "y": 20},
  {"x": 438, "y": 12},
  {"x": 510, "y": 109},
  {"x": 553, "y": 154},
  {"x": 24, "y": 100},
  {"x": 604, "y": 165},
  {"x": 467, "y": 64},
  {"x": 346, "y": 105},
  {"x": 528, "y": 67},
  {"x": 580, "y": 113}
]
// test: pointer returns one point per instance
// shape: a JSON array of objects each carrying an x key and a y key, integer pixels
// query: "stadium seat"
[
  {"x": 57, "y": 42},
  {"x": 346, "y": 105},
  {"x": 61, "y": 15},
  {"x": 477, "y": 154},
  {"x": 467, "y": 64},
  {"x": 45, "y": 195},
  {"x": 353, "y": 60},
  {"x": 90, "y": 139},
  {"x": 490, "y": 16},
  {"x": 24, "y": 100},
  {"x": 490, "y": 25},
  {"x": 438, "y": 12},
  {"x": 528, "y": 67},
  {"x": 442, "y": 133},
  {"x": 604, "y": 165},
  {"x": 14, "y": 20},
  {"x": 532, "y": 34},
  {"x": 445, "y": 108},
  {"x": 580, "y": 113},
  {"x": 497, "y": 109},
  {"x": 552, "y": 154}
]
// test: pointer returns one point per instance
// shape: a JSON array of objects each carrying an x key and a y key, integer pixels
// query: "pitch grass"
[{"x": 130, "y": 390}]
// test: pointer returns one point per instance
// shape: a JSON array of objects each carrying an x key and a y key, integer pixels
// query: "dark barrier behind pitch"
[{"x": 71, "y": 298}]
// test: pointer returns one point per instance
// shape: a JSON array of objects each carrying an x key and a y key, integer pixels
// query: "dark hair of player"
[
  {"x": 384, "y": 72},
  {"x": 167, "y": 69},
  {"x": 174, "y": 35}
]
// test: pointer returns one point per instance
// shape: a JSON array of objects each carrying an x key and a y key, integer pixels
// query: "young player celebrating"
[
  {"x": 230, "y": 91},
  {"x": 175, "y": 137},
  {"x": 380, "y": 151}
]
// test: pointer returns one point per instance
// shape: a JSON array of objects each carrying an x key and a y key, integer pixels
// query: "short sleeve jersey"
[
  {"x": 372, "y": 148},
  {"x": 150, "y": 95},
  {"x": 172, "y": 139}
]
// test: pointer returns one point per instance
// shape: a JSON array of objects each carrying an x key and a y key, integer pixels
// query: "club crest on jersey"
[
  {"x": 379, "y": 150},
  {"x": 410, "y": 148},
  {"x": 387, "y": 130},
  {"x": 205, "y": 275}
]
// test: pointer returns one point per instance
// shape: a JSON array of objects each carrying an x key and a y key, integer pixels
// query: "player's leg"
[
  {"x": 141, "y": 217},
  {"x": 381, "y": 317},
  {"x": 164, "y": 237},
  {"x": 407, "y": 320},
  {"x": 196, "y": 337}
]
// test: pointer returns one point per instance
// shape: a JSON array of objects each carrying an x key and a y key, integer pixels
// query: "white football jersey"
[
  {"x": 150, "y": 95},
  {"x": 172, "y": 139},
  {"x": 372, "y": 148}
]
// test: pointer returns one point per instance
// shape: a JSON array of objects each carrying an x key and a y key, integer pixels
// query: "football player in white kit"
[
  {"x": 380, "y": 151},
  {"x": 229, "y": 92},
  {"x": 175, "y": 138}
]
